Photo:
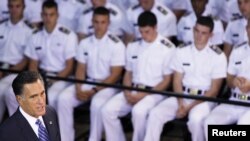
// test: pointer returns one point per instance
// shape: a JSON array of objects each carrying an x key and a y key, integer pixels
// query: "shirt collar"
[
  {"x": 54, "y": 32},
  {"x": 19, "y": 24},
  {"x": 205, "y": 49},
  {"x": 30, "y": 119},
  {"x": 103, "y": 39}
]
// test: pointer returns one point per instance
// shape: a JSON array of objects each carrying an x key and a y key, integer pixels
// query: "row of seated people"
[{"x": 149, "y": 63}]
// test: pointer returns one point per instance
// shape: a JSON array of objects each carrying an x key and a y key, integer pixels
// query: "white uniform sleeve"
[
  {"x": 228, "y": 34},
  {"x": 118, "y": 55},
  {"x": 220, "y": 68},
  {"x": 81, "y": 52},
  {"x": 231, "y": 64},
  {"x": 176, "y": 64},
  {"x": 70, "y": 50},
  {"x": 167, "y": 62},
  {"x": 30, "y": 50},
  {"x": 128, "y": 65},
  {"x": 170, "y": 29},
  {"x": 81, "y": 25}
]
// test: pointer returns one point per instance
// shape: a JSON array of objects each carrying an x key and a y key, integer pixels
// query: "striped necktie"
[{"x": 42, "y": 132}]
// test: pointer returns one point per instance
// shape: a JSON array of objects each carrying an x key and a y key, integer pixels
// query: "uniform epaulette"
[
  {"x": 182, "y": 45},
  {"x": 36, "y": 30},
  {"x": 216, "y": 49},
  {"x": 82, "y": 1},
  {"x": 240, "y": 45},
  {"x": 166, "y": 43},
  {"x": 114, "y": 38},
  {"x": 64, "y": 30},
  {"x": 29, "y": 24},
  {"x": 237, "y": 18},
  {"x": 88, "y": 10},
  {"x": 135, "y": 6},
  {"x": 162, "y": 10},
  {"x": 137, "y": 39},
  {"x": 112, "y": 11},
  {"x": 4, "y": 20}
]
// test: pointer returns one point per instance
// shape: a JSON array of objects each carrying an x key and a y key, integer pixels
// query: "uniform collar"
[
  {"x": 103, "y": 39},
  {"x": 54, "y": 32},
  {"x": 205, "y": 49},
  {"x": 19, "y": 24},
  {"x": 147, "y": 44}
]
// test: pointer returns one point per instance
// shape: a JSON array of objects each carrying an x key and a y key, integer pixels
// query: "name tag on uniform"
[
  {"x": 238, "y": 63},
  {"x": 86, "y": 53},
  {"x": 186, "y": 64},
  {"x": 187, "y": 28},
  {"x": 235, "y": 35},
  {"x": 38, "y": 48},
  {"x": 134, "y": 57}
]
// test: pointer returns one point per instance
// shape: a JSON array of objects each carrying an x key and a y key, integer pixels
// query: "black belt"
[
  {"x": 141, "y": 86},
  {"x": 193, "y": 91},
  {"x": 241, "y": 96}
]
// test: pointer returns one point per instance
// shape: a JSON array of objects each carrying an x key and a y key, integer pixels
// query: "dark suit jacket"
[{"x": 17, "y": 128}]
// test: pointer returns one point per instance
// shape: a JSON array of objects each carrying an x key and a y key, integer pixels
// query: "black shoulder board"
[
  {"x": 64, "y": 30},
  {"x": 184, "y": 45},
  {"x": 162, "y": 10},
  {"x": 4, "y": 20},
  {"x": 241, "y": 44},
  {"x": 112, "y": 11},
  {"x": 114, "y": 38},
  {"x": 166, "y": 43},
  {"x": 36, "y": 30},
  {"x": 82, "y": 1},
  {"x": 216, "y": 49},
  {"x": 29, "y": 24},
  {"x": 236, "y": 18},
  {"x": 135, "y": 6},
  {"x": 88, "y": 10},
  {"x": 137, "y": 39}
]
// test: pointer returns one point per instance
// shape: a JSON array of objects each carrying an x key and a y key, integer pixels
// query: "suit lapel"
[
  {"x": 49, "y": 126},
  {"x": 25, "y": 127}
]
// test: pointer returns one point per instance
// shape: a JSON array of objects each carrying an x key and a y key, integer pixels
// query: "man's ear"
[{"x": 19, "y": 99}]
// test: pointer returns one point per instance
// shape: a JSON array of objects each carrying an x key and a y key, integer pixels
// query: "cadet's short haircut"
[
  {"x": 101, "y": 11},
  {"x": 206, "y": 21},
  {"x": 49, "y": 4},
  {"x": 147, "y": 18},
  {"x": 25, "y": 77}
]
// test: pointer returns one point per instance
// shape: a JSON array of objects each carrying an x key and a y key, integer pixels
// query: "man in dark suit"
[{"x": 33, "y": 120}]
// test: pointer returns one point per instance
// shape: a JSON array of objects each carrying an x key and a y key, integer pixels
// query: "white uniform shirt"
[
  {"x": 166, "y": 20},
  {"x": 185, "y": 30},
  {"x": 100, "y": 55},
  {"x": 239, "y": 63},
  {"x": 149, "y": 62},
  {"x": 13, "y": 40},
  {"x": 235, "y": 33},
  {"x": 33, "y": 10},
  {"x": 52, "y": 50},
  {"x": 4, "y": 11},
  {"x": 226, "y": 10},
  {"x": 117, "y": 19},
  {"x": 175, "y": 4},
  {"x": 70, "y": 11},
  {"x": 199, "y": 67}
]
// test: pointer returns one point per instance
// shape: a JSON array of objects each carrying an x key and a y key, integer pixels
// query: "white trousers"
[
  {"x": 118, "y": 107},
  {"x": 5, "y": 83},
  {"x": 227, "y": 114},
  {"x": 166, "y": 111},
  {"x": 68, "y": 101}
]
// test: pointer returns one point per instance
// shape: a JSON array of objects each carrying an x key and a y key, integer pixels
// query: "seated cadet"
[
  {"x": 12, "y": 47},
  {"x": 118, "y": 22},
  {"x": 187, "y": 22},
  {"x": 100, "y": 58},
  {"x": 143, "y": 70},
  {"x": 199, "y": 69},
  {"x": 235, "y": 33},
  {"x": 166, "y": 20},
  {"x": 238, "y": 79}
]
